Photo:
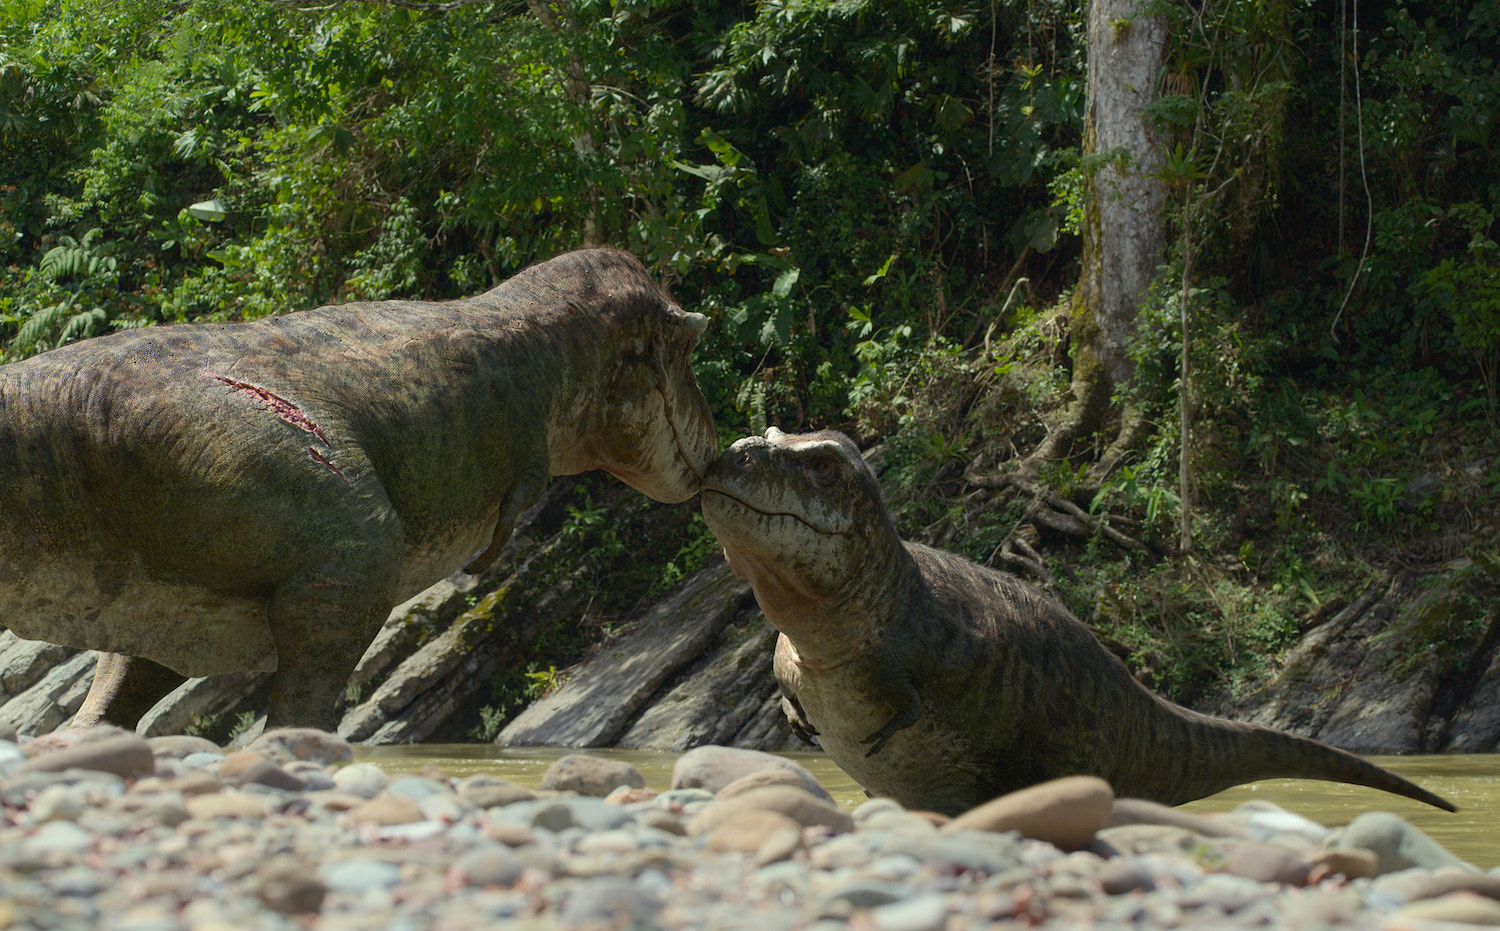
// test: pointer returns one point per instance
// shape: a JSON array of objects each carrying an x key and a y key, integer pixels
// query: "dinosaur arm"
[
  {"x": 797, "y": 718},
  {"x": 909, "y": 709},
  {"x": 520, "y": 496}
]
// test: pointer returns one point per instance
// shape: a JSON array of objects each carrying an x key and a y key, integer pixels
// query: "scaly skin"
[
  {"x": 257, "y": 496},
  {"x": 943, "y": 684}
]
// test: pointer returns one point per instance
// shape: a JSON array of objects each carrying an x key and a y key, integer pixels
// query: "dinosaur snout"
[{"x": 743, "y": 452}]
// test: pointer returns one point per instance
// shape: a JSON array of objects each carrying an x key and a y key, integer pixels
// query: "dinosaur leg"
[
  {"x": 321, "y": 628},
  {"x": 124, "y": 689}
]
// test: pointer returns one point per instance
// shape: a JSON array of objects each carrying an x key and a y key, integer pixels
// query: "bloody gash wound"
[
  {"x": 943, "y": 684},
  {"x": 257, "y": 496}
]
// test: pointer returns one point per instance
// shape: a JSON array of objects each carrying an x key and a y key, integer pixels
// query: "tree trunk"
[
  {"x": 1185, "y": 394},
  {"x": 1123, "y": 234},
  {"x": 1128, "y": 224},
  {"x": 579, "y": 90}
]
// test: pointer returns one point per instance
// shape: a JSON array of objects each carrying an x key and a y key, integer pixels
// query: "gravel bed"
[{"x": 105, "y": 830}]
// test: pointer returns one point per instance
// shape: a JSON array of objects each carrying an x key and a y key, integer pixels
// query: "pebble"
[
  {"x": 385, "y": 810},
  {"x": 590, "y": 775},
  {"x": 484, "y": 791},
  {"x": 768, "y": 777},
  {"x": 609, "y": 902},
  {"x": 124, "y": 755},
  {"x": 11, "y": 757},
  {"x": 226, "y": 804},
  {"x": 489, "y": 865},
  {"x": 1266, "y": 822},
  {"x": 1127, "y": 811},
  {"x": 359, "y": 875},
  {"x": 247, "y": 766},
  {"x": 202, "y": 761},
  {"x": 1444, "y": 881},
  {"x": 802, "y": 807},
  {"x": 315, "y": 778},
  {"x": 1352, "y": 863},
  {"x": 57, "y": 803},
  {"x": 57, "y": 837},
  {"x": 290, "y": 886},
  {"x": 290, "y": 834},
  {"x": 748, "y": 829},
  {"x": 712, "y": 768},
  {"x": 1066, "y": 813},
  {"x": 1127, "y": 874},
  {"x": 1396, "y": 844},
  {"x": 417, "y": 789},
  {"x": 1458, "y": 908},
  {"x": 1267, "y": 863},
  {"x": 362, "y": 779},
  {"x": 926, "y": 912},
  {"x": 302, "y": 743},
  {"x": 178, "y": 746}
]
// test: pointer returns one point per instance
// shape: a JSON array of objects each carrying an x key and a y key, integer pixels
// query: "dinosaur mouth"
[
  {"x": 682, "y": 452},
  {"x": 828, "y": 531}
]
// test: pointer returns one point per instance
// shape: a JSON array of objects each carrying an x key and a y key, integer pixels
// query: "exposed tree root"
[
  {"x": 1053, "y": 511},
  {"x": 1017, "y": 552},
  {"x": 1090, "y": 390},
  {"x": 1133, "y": 429}
]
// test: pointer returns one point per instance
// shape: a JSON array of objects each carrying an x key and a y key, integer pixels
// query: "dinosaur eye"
[{"x": 824, "y": 470}]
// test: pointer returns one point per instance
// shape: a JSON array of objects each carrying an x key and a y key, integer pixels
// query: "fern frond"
[
  {"x": 84, "y": 324},
  {"x": 38, "y": 327}
]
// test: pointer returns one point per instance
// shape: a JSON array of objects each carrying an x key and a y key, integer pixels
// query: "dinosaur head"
[
  {"x": 800, "y": 517},
  {"x": 644, "y": 419}
]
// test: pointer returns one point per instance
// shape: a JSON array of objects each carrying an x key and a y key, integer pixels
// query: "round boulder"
[
  {"x": 714, "y": 767},
  {"x": 591, "y": 775},
  {"x": 286, "y": 744}
]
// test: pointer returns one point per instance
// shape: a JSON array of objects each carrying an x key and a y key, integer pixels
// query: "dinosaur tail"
[{"x": 1190, "y": 755}]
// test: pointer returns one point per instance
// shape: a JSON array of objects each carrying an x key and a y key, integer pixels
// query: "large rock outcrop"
[
  {"x": 695, "y": 670},
  {"x": 1408, "y": 665}
]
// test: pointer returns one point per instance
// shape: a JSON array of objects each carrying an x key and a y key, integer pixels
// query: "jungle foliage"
[{"x": 853, "y": 191}]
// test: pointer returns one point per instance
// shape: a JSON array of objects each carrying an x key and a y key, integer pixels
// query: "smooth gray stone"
[
  {"x": 925, "y": 912},
  {"x": 1396, "y": 843},
  {"x": 359, "y": 875},
  {"x": 611, "y": 902}
]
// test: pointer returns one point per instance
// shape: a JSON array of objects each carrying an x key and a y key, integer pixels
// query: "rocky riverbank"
[{"x": 108, "y": 830}]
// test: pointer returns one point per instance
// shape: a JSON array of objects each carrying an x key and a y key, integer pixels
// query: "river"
[{"x": 1472, "y": 782}]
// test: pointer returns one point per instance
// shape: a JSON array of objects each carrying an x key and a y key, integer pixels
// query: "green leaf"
[
  {"x": 915, "y": 179},
  {"x": 884, "y": 270},
  {"x": 709, "y": 173},
  {"x": 722, "y": 148},
  {"x": 210, "y": 210},
  {"x": 785, "y": 281}
]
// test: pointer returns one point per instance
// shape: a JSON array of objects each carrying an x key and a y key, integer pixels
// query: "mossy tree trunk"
[{"x": 1124, "y": 234}]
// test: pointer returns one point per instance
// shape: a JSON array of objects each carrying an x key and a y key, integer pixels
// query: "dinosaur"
[
  {"x": 257, "y": 496},
  {"x": 943, "y": 684}
]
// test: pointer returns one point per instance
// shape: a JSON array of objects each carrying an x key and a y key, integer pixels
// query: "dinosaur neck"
[
  {"x": 545, "y": 343},
  {"x": 829, "y": 624}
]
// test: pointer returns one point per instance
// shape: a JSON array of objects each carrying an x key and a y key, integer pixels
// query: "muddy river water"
[{"x": 1472, "y": 782}]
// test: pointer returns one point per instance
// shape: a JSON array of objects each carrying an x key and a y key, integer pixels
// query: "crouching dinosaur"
[
  {"x": 257, "y": 496},
  {"x": 943, "y": 684}
]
